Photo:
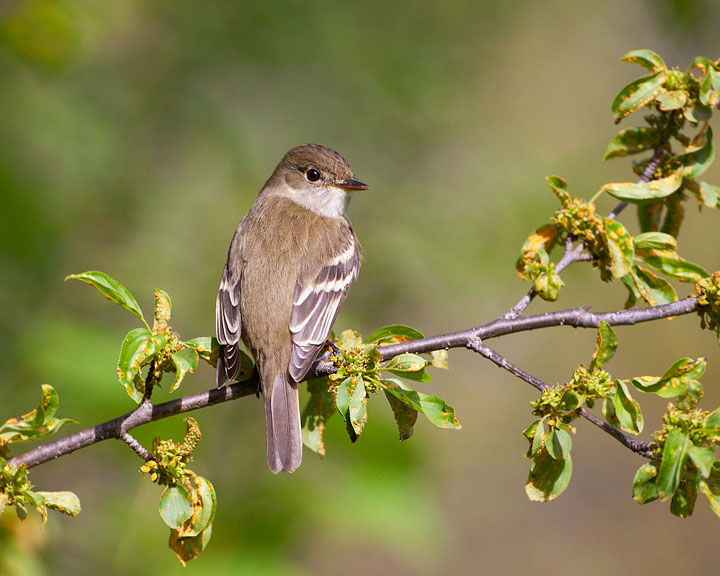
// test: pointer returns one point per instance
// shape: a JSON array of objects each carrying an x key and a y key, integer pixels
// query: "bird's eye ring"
[{"x": 312, "y": 175}]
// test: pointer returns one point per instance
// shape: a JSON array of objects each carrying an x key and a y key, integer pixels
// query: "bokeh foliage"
[{"x": 143, "y": 147}]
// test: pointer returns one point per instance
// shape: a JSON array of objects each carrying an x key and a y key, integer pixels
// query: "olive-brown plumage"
[{"x": 289, "y": 268}]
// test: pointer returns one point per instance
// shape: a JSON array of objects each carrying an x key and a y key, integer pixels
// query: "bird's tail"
[{"x": 282, "y": 424}]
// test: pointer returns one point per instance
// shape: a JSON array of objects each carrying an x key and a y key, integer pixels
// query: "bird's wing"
[
  {"x": 316, "y": 305},
  {"x": 228, "y": 327}
]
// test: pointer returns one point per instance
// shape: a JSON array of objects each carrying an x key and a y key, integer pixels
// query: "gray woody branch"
[{"x": 147, "y": 412}]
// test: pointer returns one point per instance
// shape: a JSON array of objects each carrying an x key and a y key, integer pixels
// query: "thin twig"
[
  {"x": 645, "y": 449},
  {"x": 487, "y": 352},
  {"x": 135, "y": 445}
]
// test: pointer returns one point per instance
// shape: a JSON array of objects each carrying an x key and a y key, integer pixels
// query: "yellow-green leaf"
[
  {"x": 111, "y": 289},
  {"x": 637, "y": 94},
  {"x": 645, "y": 58},
  {"x": 639, "y": 193},
  {"x": 620, "y": 248},
  {"x": 65, "y": 502},
  {"x": 548, "y": 477},
  {"x": 605, "y": 346},
  {"x": 631, "y": 141}
]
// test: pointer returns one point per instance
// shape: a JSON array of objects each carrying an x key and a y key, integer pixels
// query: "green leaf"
[
  {"x": 627, "y": 410},
  {"x": 640, "y": 193},
  {"x": 710, "y": 194},
  {"x": 534, "y": 431},
  {"x": 671, "y": 99},
  {"x": 559, "y": 186},
  {"x": 548, "y": 477},
  {"x": 689, "y": 399},
  {"x": 683, "y": 501},
  {"x": 653, "y": 289},
  {"x": 648, "y": 216},
  {"x": 697, "y": 113},
  {"x": 700, "y": 155},
  {"x": 111, "y": 289},
  {"x": 675, "y": 380},
  {"x": 176, "y": 506},
  {"x": 351, "y": 402},
  {"x": 637, "y": 94},
  {"x": 605, "y": 346},
  {"x": 405, "y": 416},
  {"x": 393, "y": 334},
  {"x": 633, "y": 292},
  {"x": 674, "y": 216},
  {"x": 558, "y": 443},
  {"x": 65, "y": 502},
  {"x": 620, "y": 248},
  {"x": 203, "y": 510},
  {"x": 644, "y": 488},
  {"x": 654, "y": 241},
  {"x": 548, "y": 285},
  {"x": 631, "y": 141},
  {"x": 439, "y": 359},
  {"x": 319, "y": 408},
  {"x": 208, "y": 349},
  {"x": 410, "y": 366},
  {"x": 185, "y": 360},
  {"x": 710, "y": 488},
  {"x": 138, "y": 349},
  {"x": 163, "y": 310},
  {"x": 645, "y": 58},
  {"x": 703, "y": 457},
  {"x": 538, "y": 439},
  {"x": 36, "y": 424},
  {"x": 436, "y": 409},
  {"x": 609, "y": 413},
  {"x": 712, "y": 422},
  {"x": 536, "y": 248},
  {"x": 710, "y": 86},
  {"x": 570, "y": 400},
  {"x": 673, "y": 462},
  {"x": 672, "y": 265}
]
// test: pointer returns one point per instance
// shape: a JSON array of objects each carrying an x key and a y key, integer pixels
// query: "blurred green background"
[{"x": 134, "y": 135}]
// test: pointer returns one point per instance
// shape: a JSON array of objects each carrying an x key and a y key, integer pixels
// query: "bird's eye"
[{"x": 312, "y": 175}]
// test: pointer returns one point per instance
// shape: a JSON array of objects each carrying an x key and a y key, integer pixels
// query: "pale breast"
[{"x": 282, "y": 243}]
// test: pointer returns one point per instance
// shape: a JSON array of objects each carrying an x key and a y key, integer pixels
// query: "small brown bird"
[{"x": 289, "y": 268}]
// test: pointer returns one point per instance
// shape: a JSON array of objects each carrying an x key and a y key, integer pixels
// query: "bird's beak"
[{"x": 350, "y": 184}]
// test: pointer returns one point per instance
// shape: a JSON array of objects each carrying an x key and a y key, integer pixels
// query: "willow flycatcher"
[{"x": 289, "y": 268}]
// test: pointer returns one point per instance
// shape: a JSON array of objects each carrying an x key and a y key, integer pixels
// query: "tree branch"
[
  {"x": 141, "y": 415},
  {"x": 575, "y": 317},
  {"x": 147, "y": 412},
  {"x": 645, "y": 449}
]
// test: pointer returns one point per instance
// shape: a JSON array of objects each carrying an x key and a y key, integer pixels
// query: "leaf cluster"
[
  {"x": 708, "y": 296},
  {"x": 15, "y": 486},
  {"x": 188, "y": 502},
  {"x": 159, "y": 349},
  {"x": 558, "y": 407},
  {"x": 677, "y": 102},
  {"x": 362, "y": 373}
]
